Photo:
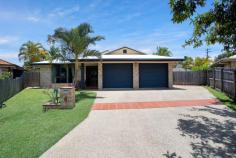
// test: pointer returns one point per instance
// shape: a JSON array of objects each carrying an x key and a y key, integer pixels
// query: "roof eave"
[
  {"x": 129, "y": 60},
  {"x": 111, "y": 60}
]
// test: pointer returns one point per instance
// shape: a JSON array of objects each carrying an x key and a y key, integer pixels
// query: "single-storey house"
[
  {"x": 6, "y": 66},
  {"x": 121, "y": 68},
  {"x": 229, "y": 63}
]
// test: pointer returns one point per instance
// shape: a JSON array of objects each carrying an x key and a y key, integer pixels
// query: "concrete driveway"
[
  {"x": 197, "y": 131},
  {"x": 176, "y": 93}
]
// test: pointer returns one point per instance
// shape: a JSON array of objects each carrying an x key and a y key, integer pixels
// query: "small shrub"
[
  {"x": 53, "y": 95},
  {"x": 5, "y": 75}
]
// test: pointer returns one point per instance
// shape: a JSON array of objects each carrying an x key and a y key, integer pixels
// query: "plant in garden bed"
[{"x": 53, "y": 95}]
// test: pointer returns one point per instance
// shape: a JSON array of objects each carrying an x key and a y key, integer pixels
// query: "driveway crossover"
[{"x": 192, "y": 131}]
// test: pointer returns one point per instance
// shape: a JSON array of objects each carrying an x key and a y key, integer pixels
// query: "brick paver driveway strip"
[{"x": 157, "y": 104}]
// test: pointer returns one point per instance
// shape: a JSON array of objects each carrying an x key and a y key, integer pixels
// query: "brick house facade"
[{"x": 121, "y": 68}]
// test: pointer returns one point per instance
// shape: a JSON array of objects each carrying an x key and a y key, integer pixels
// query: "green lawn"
[
  {"x": 223, "y": 98},
  {"x": 26, "y": 131}
]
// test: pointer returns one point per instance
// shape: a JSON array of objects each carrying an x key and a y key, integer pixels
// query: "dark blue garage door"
[
  {"x": 153, "y": 75},
  {"x": 117, "y": 76}
]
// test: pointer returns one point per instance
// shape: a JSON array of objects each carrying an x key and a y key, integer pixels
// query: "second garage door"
[
  {"x": 153, "y": 75},
  {"x": 117, "y": 76}
]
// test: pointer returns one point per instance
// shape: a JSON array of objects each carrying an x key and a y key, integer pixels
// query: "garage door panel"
[
  {"x": 117, "y": 75},
  {"x": 153, "y": 75}
]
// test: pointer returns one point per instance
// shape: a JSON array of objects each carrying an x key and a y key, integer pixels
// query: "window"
[
  {"x": 124, "y": 51},
  {"x": 62, "y": 73}
]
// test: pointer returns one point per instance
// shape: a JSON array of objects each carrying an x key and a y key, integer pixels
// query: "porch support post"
[
  {"x": 170, "y": 75},
  {"x": 135, "y": 75},
  {"x": 100, "y": 76},
  {"x": 67, "y": 73},
  {"x": 82, "y": 84}
]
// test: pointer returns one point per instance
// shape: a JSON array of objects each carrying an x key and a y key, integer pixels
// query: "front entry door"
[{"x": 91, "y": 77}]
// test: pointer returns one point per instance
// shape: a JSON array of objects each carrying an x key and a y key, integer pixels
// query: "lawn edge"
[{"x": 226, "y": 100}]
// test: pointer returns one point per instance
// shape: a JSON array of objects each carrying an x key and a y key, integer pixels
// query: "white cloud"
[
  {"x": 129, "y": 17},
  {"x": 63, "y": 12},
  {"x": 8, "y": 55},
  {"x": 146, "y": 50},
  {"x": 36, "y": 15},
  {"x": 33, "y": 18},
  {"x": 7, "y": 39}
]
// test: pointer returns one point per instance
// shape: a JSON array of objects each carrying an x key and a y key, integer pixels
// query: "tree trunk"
[{"x": 76, "y": 80}]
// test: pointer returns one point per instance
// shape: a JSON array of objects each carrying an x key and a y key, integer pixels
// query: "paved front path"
[{"x": 161, "y": 132}]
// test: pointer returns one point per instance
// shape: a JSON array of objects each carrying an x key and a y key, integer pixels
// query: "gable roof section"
[
  {"x": 108, "y": 56},
  {"x": 4, "y": 63},
  {"x": 138, "y": 52}
]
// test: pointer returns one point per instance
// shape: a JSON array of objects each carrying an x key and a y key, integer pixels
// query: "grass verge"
[
  {"x": 223, "y": 98},
  {"x": 26, "y": 131}
]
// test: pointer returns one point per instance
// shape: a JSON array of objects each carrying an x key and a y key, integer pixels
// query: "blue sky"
[{"x": 138, "y": 24}]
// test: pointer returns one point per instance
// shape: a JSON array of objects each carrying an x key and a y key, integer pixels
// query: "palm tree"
[
  {"x": 76, "y": 42},
  {"x": 55, "y": 53},
  {"x": 188, "y": 63},
  {"x": 31, "y": 52},
  {"x": 163, "y": 51}
]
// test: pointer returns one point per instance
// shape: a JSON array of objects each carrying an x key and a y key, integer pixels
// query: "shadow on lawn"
[{"x": 211, "y": 137}]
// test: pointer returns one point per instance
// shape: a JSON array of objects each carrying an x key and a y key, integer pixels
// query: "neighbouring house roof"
[
  {"x": 233, "y": 57},
  {"x": 225, "y": 60},
  {"x": 4, "y": 63},
  {"x": 179, "y": 67}
]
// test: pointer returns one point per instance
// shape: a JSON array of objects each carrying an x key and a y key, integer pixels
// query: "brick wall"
[
  {"x": 45, "y": 76},
  {"x": 100, "y": 75},
  {"x": 170, "y": 75},
  {"x": 135, "y": 75}
]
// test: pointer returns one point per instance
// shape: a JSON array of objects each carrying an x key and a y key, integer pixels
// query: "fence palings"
[
  {"x": 223, "y": 80},
  {"x": 10, "y": 87},
  {"x": 190, "y": 77}
]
